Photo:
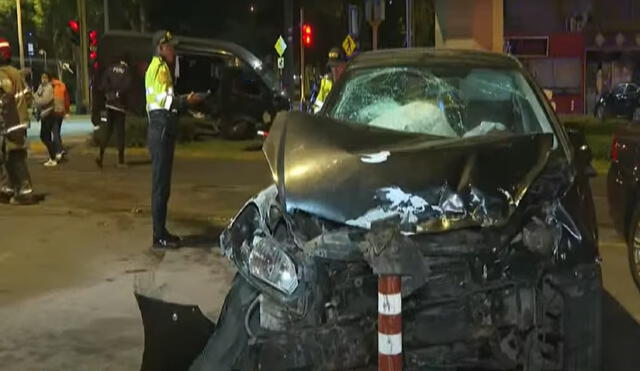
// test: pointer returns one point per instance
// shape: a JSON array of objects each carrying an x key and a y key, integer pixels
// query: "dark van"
[{"x": 244, "y": 95}]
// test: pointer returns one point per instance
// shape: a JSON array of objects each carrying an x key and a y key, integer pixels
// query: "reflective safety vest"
[
  {"x": 325, "y": 87},
  {"x": 159, "y": 85},
  {"x": 12, "y": 82}
]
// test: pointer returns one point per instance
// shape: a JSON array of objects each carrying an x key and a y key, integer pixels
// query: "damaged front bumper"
[
  {"x": 491, "y": 298},
  {"x": 505, "y": 327}
]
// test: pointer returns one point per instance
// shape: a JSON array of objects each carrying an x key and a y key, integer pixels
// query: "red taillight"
[{"x": 614, "y": 149}]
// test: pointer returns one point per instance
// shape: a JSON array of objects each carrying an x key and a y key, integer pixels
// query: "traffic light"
[
  {"x": 93, "y": 38},
  {"x": 74, "y": 31},
  {"x": 307, "y": 35},
  {"x": 93, "y": 48}
]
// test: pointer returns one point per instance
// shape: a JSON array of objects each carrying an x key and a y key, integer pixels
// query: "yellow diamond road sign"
[
  {"x": 280, "y": 46},
  {"x": 349, "y": 45}
]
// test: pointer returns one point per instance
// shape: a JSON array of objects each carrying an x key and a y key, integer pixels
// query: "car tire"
[
  {"x": 583, "y": 332},
  {"x": 633, "y": 247},
  {"x": 238, "y": 128},
  {"x": 600, "y": 113}
]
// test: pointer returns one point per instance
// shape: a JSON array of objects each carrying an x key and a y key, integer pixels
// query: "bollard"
[{"x": 389, "y": 323}]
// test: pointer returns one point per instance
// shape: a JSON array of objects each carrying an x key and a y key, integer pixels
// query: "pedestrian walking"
[
  {"x": 15, "y": 180},
  {"x": 115, "y": 85},
  {"x": 61, "y": 109},
  {"x": 44, "y": 103},
  {"x": 163, "y": 108}
]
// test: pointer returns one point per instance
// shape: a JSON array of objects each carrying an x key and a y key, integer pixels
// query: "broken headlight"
[
  {"x": 257, "y": 254},
  {"x": 272, "y": 265}
]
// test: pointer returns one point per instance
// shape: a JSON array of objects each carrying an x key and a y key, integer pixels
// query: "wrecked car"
[{"x": 448, "y": 169}]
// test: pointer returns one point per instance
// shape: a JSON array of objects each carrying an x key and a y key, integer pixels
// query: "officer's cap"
[{"x": 163, "y": 37}]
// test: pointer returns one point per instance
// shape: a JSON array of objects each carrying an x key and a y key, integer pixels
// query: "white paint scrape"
[
  {"x": 376, "y": 158},
  {"x": 393, "y": 202}
]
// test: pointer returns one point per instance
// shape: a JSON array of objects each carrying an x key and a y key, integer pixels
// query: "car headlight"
[
  {"x": 272, "y": 265},
  {"x": 258, "y": 255}
]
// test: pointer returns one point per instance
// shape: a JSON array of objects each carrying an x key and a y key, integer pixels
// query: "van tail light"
[{"x": 614, "y": 149}]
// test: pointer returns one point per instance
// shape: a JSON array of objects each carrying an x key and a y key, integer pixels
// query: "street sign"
[
  {"x": 349, "y": 45},
  {"x": 280, "y": 46},
  {"x": 31, "y": 50},
  {"x": 354, "y": 20},
  {"x": 281, "y": 63}
]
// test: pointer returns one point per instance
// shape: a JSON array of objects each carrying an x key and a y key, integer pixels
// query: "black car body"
[
  {"x": 622, "y": 101},
  {"x": 447, "y": 168},
  {"x": 244, "y": 95},
  {"x": 623, "y": 190}
]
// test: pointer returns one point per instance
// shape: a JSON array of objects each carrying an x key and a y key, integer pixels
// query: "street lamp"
[
  {"x": 20, "y": 39},
  {"x": 43, "y": 53}
]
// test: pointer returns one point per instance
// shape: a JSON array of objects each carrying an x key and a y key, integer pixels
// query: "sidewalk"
[{"x": 76, "y": 125}]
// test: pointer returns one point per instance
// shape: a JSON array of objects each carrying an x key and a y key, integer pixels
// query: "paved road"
[
  {"x": 68, "y": 264},
  {"x": 622, "y": 300}
]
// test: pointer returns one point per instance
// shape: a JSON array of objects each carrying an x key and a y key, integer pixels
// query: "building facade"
[{"x": 578, "y": 49}]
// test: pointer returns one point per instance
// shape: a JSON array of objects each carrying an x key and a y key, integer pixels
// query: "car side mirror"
[{"x": 582, "y": 154}]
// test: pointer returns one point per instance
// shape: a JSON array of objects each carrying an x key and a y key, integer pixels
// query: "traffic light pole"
[
  {"x": 106, "y": 16},
  {"x": 84, "y": 49},
  {"x": 289, "y": 65},
  {"x": 20, "y": 35},
  {"x": 302, "y": 87}
]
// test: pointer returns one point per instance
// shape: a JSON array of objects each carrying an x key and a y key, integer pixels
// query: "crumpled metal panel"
[{"x": 361, "y": 176}]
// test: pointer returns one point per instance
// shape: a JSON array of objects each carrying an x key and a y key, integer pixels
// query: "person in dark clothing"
[
  {"x": 115, "y": 84},
  {"x": 15, "y": 180}
]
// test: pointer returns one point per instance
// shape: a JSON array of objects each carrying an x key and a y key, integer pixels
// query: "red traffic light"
[
  {"x": 74, "y": 25},
  {"x": 93, "y": 55},
  {"x": 93, "y": 38},
  {"x": 307, "y": 35}
]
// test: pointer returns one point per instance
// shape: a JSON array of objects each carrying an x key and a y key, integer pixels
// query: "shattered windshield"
[{"x": 445, "y": 101}]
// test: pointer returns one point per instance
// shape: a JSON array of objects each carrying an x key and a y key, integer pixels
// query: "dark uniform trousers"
[
  {"x": 115, "y": 121},
  {"x": 16, "y": 177},
  {"x": 161, "y": 139}
]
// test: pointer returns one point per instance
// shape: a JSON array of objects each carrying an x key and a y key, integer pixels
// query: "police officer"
[
  {"x": 115, "y": 84},
  {"x": 15, "y": 181},
  {"x": 163, "y": 107},
  {"x": 336, "y": 66}
]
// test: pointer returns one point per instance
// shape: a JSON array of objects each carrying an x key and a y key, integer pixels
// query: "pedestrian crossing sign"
[
  {"x": 280, "y": 46},
  {"x": 349, "y": 45}
]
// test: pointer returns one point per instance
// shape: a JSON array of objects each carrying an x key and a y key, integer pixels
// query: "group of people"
[{"x": 163, "y": 108}]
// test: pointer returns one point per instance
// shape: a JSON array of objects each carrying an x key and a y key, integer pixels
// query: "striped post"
[{"x": 389, "y": 323}]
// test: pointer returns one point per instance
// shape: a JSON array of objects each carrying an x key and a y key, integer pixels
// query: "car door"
[{"x": 630, "y": 100}]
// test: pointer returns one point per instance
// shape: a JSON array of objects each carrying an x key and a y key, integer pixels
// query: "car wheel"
[
  {"x": 583, "y": 332},
  {"x": 238, "y": 129},
  {"x": 600, "y": 113},
  {"x": 633, "y": 246}
]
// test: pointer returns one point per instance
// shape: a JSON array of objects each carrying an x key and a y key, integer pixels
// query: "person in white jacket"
[{"x": 44, "y": 102}]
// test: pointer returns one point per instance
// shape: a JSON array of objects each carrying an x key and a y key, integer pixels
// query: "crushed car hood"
[{"x": 364, "y": 176}]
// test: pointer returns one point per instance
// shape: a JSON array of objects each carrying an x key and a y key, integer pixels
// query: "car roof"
[{"x": 431, "y": 56}]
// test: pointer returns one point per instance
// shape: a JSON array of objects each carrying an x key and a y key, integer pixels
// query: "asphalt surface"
[{"x": 68, "y": 265}]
